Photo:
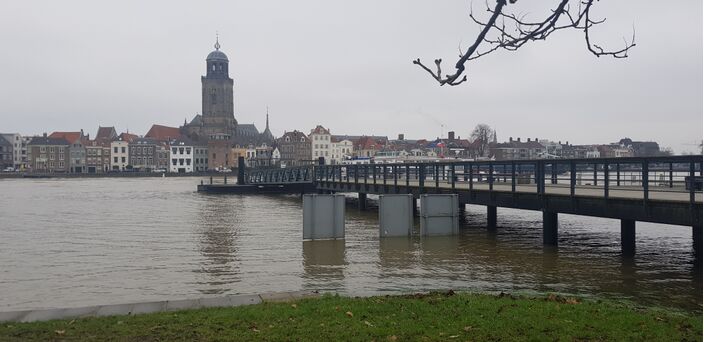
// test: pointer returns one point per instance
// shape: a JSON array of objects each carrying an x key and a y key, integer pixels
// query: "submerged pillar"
[
  {"x": 491, "y": 217},
  {"x": 628, "y": 237},
  {"x": 362, "y": 201},
  {"x": 549, "y": 228}
]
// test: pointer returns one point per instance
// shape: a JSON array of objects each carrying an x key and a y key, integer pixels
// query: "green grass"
[{"x": 435, "y": 316}]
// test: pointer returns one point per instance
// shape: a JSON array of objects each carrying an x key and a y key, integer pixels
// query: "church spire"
[{"x": 267, "y": 118}]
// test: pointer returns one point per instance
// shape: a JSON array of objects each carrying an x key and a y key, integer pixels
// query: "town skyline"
[{"x": 134, "y": 77}]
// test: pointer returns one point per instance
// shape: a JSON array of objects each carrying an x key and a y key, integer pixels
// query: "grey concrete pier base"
[
  {"x": 628, "y": 237},
  {"x": 491, "y": 217},
  {"x": 549, "y": 228},
  {"x": 362, "y": 201}
]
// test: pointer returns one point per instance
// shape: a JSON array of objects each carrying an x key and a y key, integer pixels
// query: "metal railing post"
[
  {"x": 692, "y": 183},
  {"x": 408, "y": 176},
  {"x": 595, "y": 176},
  {"x": 513, "y": 176},
  {"x": 573, "y": 177},
  {"x": 471, "y": 178},
  {"x": 644, "y": 179},
  {"x": 618, "y": 174},
  {"x": 356, "y": 174},
  {"x": 437, "y": 177},
  {"x": 452, "y": 174},
  {"x": 491, "y": 177},
  {"x": 671, "y": 182},
  {"x": 606, "y": 180}
]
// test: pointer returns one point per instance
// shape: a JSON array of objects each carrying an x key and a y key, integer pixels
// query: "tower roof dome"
[{"x": 217, "y": 55}]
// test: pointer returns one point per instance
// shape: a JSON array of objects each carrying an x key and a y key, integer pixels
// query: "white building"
[
  {"x": 119, "y": 155},
  {"x": 321, "y": 144},
  {"x": 19, "y": 149},
  {"x": 181, "y": 156},
  {"x": 341, "y": 150}
]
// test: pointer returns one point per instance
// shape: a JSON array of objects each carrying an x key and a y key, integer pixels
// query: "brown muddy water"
[{"x": 78, "y": 242}]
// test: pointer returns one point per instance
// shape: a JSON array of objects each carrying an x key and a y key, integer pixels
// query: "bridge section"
[{"x": 658, "y": 189}]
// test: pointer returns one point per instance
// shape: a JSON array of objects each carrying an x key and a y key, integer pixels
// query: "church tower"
[{"x": 217, "y": 98}]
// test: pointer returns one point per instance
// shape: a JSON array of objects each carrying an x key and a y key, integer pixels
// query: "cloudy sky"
[{"x": 67, "y": 65}]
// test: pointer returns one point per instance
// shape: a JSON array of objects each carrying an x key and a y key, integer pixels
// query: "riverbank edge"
[
  {"x": 25, "y": 316},
  {"x": 308, "y": 315},
  {"x": 30, "y": 175}
]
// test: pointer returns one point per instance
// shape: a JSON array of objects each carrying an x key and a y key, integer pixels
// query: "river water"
[{"x": 77, "y": 242}]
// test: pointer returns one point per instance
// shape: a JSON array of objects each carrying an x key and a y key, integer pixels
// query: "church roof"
[
  {"x": 247, "y": 130},
  {"x": 197, "y": 120}
]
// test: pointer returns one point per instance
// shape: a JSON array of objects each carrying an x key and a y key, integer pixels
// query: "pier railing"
[
  {"x": 642, "y": 177},
  {"x": 273, "y": 175}
]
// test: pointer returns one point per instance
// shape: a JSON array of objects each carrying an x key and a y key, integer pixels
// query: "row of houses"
[{"x": 165, "y": 149}]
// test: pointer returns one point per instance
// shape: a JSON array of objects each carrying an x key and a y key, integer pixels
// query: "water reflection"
[
  {"x": 217, "y": 227},
  {"x": 323, "y": 263}
]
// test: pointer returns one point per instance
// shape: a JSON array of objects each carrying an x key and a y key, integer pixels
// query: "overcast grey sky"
[{"x": 67, "y": 65}]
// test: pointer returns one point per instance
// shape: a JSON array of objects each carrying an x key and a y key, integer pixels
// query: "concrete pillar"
[
  {"x": 697, "y": 241},
  {"x": 415, "y": 207},
  {"x": 362, "y": 201},
  {"x": 491, "y": 217},
  {"x": 549, "y": 228},
  {"x": 628, "y": 237}
]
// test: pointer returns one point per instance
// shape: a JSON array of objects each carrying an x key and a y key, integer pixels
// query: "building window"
[
  {"x": 124, "y": 159},
  {"x": 51, "y": 149},
  {"x": 115, "y": 159},
  {"x": 42, "y": 149},
  {"x": 173, "y": 150},
  {"x": 188, "y": 162},
  {"x": 188, "y": 150},
  {"x": 173, "y": 161}
]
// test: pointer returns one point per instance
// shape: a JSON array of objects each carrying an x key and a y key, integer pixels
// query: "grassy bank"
[{"x": 436, "y": 316}]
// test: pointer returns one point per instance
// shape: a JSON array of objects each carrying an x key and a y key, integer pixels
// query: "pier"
[{"x": 664, "y": 190}]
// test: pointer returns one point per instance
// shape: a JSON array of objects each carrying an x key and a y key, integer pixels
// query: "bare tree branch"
[{"x": 495, "y": 35}]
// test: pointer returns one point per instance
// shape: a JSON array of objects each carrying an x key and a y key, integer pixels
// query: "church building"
[{"x": 217, "y": 127}]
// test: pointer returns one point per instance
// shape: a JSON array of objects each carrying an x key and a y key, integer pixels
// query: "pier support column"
[
  {"x": 549, "y": 228},
  {"x": 240, "y": 170},
  {"x": 415, "y": 207},
  {"x": 491, "y": 217},
  {"x": 697, "y": 241},
  {"x": 362, "y": 201},
  {"x": 628, "y": 237}
]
